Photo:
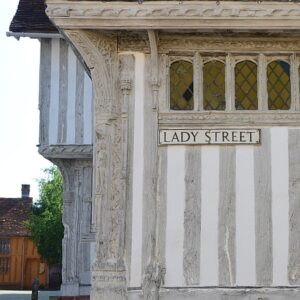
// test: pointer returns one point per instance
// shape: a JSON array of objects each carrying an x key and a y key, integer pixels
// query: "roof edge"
[
  {"x": 202, "y": 15},
  {"x": 33, "y": 35}
]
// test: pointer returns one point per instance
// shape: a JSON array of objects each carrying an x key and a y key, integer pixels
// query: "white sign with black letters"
[{"x": 208, "y": 136}]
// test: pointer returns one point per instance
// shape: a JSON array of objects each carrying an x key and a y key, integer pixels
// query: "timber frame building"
[
  {"x": 176, "y": 125},
  {"x": 20, "y": 261}
]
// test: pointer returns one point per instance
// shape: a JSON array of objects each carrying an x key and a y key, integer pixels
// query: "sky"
[{"x": 20, "y": 162}]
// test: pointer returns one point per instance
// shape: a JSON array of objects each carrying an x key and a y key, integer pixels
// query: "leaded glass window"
[
  {"x": 279, "y": 86},
  {"x": 181, "y": 85},
  {"x": 214, "y": 85},
  {"x": 4, "y": 255},
  {"x": 234, "y": 82},
  {"x": 246, "y": 86}
]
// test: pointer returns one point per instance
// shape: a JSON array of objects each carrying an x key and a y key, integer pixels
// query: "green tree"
[{"x": 45, "y": 223}]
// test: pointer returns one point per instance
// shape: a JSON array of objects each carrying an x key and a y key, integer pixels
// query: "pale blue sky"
[{"x": 19, "y": 115}]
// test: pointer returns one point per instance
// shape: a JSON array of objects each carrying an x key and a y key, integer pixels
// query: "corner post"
[
  {"x": 99, "y": 51},
  {"x": 154, "y": 271}
]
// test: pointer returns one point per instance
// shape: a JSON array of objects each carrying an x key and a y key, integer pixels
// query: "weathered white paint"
[
  {"x": 263, "y": 211},
  {"x": 245, "y": 217},
  {"x": 70, "y": 122},
  {"x": 222, "y": 294},
  {"x": 280, "y": 204},
  {"x": 71, "y": 96},
  {"x": 92, "y": 253},
  {"x": 54, "y": 92},
  {"x": 175, "y": 216},
  {"x": 209, "y": 267},
  {"x": 87, "y": 110},
  {"x": 138, "y": 171}
]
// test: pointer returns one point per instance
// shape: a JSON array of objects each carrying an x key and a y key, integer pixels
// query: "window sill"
[{"x": 223, "y": 118}]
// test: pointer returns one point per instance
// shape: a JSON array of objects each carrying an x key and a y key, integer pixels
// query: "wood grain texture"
[
  {"x": 294, "y": 207},
  {"x": 44, "y": 90},
  {"x": 79, "y": 117},
  {"x": 226, "y": 232},
  {"x": 263, "y": 211},
  {"x": 63, "y": 92},
  {"x": 192, "y": 216}
]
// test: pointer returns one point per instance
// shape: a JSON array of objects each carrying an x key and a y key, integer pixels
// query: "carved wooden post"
[
  {"x": 154, "y": 271},
  {"x": 100, "y": 54},
  {"x": 70, "y": 280}
]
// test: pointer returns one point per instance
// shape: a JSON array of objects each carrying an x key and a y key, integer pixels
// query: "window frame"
[
  {"x": 5, "y": 257},
  {"x": 204, "y": 62},
  {"x": 231, "y": 116},
  {"x": 172, "y": 61}
]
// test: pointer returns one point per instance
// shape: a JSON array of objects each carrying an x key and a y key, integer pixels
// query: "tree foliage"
[{"x": 45, "y": 223}]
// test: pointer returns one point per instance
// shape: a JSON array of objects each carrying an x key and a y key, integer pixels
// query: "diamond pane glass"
[
  {"x": 181, "y": 86},
  {"x": 214, "y": 85},
  {"x": 279, "y": 85},
  {"x": 246, "y": 86}
]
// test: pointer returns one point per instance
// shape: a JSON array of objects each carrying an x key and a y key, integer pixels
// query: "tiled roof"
[
  {"x": 31, "y": 17},
  {"x": 13, "y": 211}
]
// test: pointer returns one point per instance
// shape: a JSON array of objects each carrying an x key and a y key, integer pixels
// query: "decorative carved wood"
[
  {"x": 175, "y": 15},
  {"x": 100, "y": 54}
]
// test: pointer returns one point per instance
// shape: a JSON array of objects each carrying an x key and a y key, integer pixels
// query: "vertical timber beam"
[
  {"x": 75, "y": 213},
  {"x": 70, "y": 219},
  {"x": 99, "y": 52},
  {"x": 154, "y": 271}
]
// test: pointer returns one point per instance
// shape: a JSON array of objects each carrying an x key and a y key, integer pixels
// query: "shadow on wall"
[{"x": 54, "y": 277}]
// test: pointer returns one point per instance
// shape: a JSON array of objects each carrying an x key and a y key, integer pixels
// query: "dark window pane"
[
  {"x": 4, "y": 247},
  {"x": 4, "y": 265},
  {"x": 279, "y": 86},
  {"x": 181, "y": 86},
  {"x": 214, "y": 85},
  {"x": 246, "y": 86}
]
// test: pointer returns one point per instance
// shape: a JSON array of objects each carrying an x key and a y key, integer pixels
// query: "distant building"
[{"x": 20, "y": 261}]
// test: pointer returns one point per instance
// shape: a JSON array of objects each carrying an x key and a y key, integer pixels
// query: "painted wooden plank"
[
  {"x": 79, "y": 116},
  {"x": 209, "y": 267},
  {"x": 245, "y": 217},
  {"x": 54, "y": 92},
  {"x": 88, "y": 110},
  {"x": 226, "y": 232},
  {"x": 63, "y": 92},
  {"x": 150, "y": 164},
  {"x": 294, "y": 207},
  {"x": 162, "y": 204},
  {"x": 138, "y": 178},
  {"x": 280, "y": 204},
  {"x": 192, "y": 216},
  {"x": 70, "y": 139},
  {"x": 45, "y": 90},
  {"x": 263, "y": 211},
  {"x": 130, "y": 60},
  {"x": 175, "y": 216}
]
